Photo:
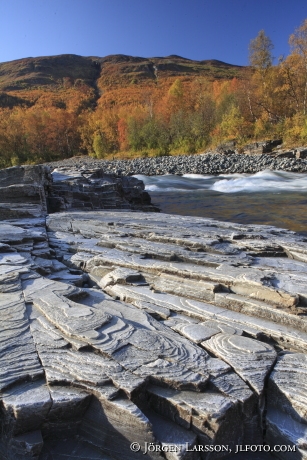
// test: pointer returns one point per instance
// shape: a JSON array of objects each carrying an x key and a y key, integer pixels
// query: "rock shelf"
[
  {"x": 31, "y": 191},
  {"x": 122, "y": 327}
]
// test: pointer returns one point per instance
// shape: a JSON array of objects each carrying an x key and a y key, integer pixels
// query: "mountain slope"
[{"x": 117, "y": 69}]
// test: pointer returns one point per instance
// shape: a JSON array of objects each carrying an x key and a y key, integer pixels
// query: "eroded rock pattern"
[{"x": 121, "y": 327}]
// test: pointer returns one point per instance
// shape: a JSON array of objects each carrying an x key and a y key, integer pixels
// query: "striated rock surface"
[
  {"x": 179, "y": 334},
  {"x": 251, "y": 359}
]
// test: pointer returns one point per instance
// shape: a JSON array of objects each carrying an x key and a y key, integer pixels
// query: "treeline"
[{"x": 183, "y": 115}]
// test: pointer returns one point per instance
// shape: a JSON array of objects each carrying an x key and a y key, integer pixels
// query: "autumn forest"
[{"x": 121, "y": 106}]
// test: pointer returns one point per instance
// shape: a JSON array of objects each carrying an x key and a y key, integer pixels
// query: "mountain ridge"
[{"x": 41, "y": 71}]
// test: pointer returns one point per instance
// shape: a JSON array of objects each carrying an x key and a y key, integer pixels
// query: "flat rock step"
[
  {"x": 252, "y": 326},
  {"x": 294, "y": 317}
]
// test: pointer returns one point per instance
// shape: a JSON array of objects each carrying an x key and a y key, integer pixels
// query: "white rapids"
[{"x": 263, "y": 181}]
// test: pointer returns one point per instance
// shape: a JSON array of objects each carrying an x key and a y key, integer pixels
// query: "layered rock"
[
  {"x": 23, "y": 191},
  {"x": 179, "y": 334},
  {"x": 95, "y": 189},
  {"x": 32, "y": 191}
]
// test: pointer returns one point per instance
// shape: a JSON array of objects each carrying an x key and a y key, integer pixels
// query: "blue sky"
[{"x": 196, "y": 29}]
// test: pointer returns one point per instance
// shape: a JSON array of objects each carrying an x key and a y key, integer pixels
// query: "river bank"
[{"x": 208, "y": 163}]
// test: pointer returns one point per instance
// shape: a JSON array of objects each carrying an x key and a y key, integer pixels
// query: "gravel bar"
[{"x": 209, "y": 163}]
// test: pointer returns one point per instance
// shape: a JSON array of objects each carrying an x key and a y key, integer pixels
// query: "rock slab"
[{"x": 119, "y": 327}]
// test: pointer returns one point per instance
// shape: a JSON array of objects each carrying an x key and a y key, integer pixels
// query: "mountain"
[
  {"x": 57, "y": 80},
  {"x": 67, "y": 104},
  {"x": 120, "y": 69}
]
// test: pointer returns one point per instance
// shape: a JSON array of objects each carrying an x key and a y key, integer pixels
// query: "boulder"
[
  {"x": 301, "y": 153},
  {"x": 270, "y": 145}
]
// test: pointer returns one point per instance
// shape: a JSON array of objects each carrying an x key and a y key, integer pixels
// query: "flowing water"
[{"x": 268, "y": 197}]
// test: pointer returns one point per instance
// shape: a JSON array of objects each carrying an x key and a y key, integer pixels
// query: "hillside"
[
  {"x": 50, "y": 71},
  {"x": 56, "y": 107},
  {"x": 46, "y": 72},
  {"x": 26, "y": 81}
]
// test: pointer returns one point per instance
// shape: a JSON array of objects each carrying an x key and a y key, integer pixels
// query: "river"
[{"x": 268, "y": 197}]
